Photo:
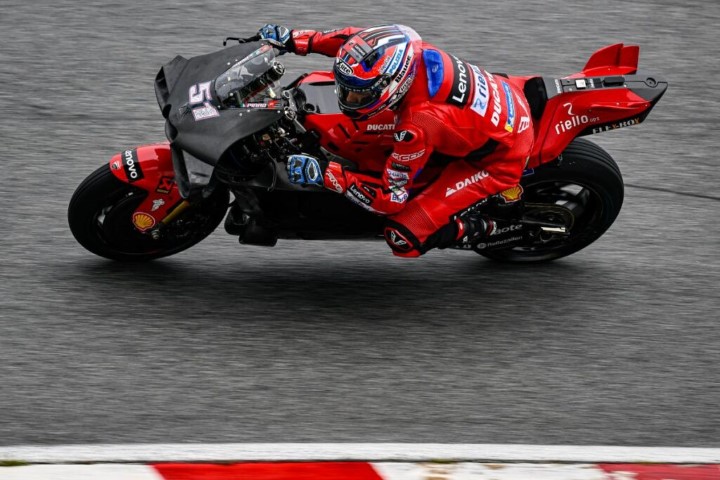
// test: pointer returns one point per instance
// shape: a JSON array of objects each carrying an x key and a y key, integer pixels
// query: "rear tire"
[
  {"x": 586, "y": 180},
  {"x": 100, "y": 214}
]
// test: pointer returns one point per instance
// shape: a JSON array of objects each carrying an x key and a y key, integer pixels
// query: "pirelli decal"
[{"x": 460, "y": 92}]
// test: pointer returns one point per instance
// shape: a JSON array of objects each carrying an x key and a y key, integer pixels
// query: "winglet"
[{"x": 615, "y": 59}]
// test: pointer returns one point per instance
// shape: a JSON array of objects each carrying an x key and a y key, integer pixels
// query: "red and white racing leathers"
[{"x": 455, "y": 109}]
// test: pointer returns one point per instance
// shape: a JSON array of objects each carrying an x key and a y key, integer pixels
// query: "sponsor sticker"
[
  {"x": 476, "y": 177},
  {"x": 333, "y": 181},
  {"x": 370, "y": 191},
  {"x": 143, "y": 221},
  {"x": 205, "y": 112},
  {"x": 408, "y": 157},
  {"x": 164, "y": 185},
  {"x": 399, "y": 194},
  {"x": 508, "y": 229},
  {"x": 403, "y": 136},
  {"x": 482, "y": 246},
  {"x": 512, "y": 194},
  {"x": 391, "y": 65},
  {"x": 524, "y": 124},
  {"x": 397, "y": 240},
  {"x": 380, "y": 127},
  {"x": 405, "y": 86},
  {"x": 510, "y": 104},
  {"x": 157, "y": 204},
  {"x": 398, "y": 178},
  {"x": 344, "y": 68},
  {"x": 270, "y": 104},
  {"x": 359, "y": 195},
  {"x": 497, "y": 107},
  {"x": 482, "y": 93},
  {"x": 615, "y": 126},
  {"x": 133, "y": 171},
  {"x": 199, "y": 93},
  {"x": 399, "y": 198},
  {"x": 460, "y": 91},
  {"x": 116, "y": 165},
  {"x": 573, "y": 121}
]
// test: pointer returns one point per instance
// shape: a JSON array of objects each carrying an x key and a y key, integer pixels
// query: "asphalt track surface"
[{"x": 617, "y": 345}]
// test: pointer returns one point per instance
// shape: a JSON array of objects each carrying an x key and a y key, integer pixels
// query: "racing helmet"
[{"x": 375, "y": 68}]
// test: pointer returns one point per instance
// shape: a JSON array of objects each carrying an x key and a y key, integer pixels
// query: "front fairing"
[{"x": 200, "y": 122}]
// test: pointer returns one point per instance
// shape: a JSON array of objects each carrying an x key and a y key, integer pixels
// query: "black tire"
[
  {"x": 100, "y": 213},
  {"x": 584, "y": 176}
]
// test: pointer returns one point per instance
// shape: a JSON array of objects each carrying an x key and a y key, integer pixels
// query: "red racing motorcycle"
[{"x": 230, "y": 124}]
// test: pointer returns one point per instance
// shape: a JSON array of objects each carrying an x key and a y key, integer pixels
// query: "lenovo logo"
[{"x": 132, "y": 166}]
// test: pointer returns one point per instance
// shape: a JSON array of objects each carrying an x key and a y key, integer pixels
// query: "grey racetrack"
[{"x": 323, "y": 342}]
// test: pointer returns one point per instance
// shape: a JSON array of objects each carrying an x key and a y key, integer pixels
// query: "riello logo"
[{"x": 574, "y": 121}]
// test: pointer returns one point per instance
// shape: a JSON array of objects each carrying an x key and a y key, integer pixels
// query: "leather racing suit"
[{"x": 455, "y": 109}]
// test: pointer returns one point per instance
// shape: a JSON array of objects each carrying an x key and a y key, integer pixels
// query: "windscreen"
[{"x": 251, "y": 82}]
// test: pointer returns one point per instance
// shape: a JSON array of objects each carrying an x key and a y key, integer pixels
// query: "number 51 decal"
[{"x": 199, "y": 93}]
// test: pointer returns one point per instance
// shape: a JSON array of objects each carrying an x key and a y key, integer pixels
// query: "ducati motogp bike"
[{"x": 231, "y": 123}]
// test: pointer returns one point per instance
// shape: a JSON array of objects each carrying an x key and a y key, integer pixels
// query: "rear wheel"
[
  {"x": 100, "y": 214},
  {"x": 582, "y": 189}
]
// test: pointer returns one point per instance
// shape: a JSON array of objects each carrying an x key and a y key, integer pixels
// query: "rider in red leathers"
[{"x": 443, "y": 105}]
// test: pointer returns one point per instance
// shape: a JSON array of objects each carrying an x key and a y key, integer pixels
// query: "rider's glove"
[
  {"x": 282, "y": 36},
  {"x": 305, "y": 170}
]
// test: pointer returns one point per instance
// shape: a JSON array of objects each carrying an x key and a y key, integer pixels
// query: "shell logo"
[
  {"x": 512, "y": 194},
  {"x": 143, "y": 221}
]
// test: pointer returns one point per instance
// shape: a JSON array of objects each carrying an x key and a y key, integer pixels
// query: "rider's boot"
[{"x": 472, "y": 229}]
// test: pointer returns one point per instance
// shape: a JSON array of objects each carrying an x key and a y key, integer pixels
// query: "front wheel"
[
  {"x": 582, "y": 188},
  {"x": 100, "y": 218}
]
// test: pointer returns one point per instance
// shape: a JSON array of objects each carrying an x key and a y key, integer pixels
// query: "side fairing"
[
  {"x": 149, "y": 168},
  {"x": 581, "y": 106},
  {"x": 207, "y": 131}
]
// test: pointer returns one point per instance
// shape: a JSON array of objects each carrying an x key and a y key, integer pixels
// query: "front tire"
[
  {"x": 586, "y": 181},
  {"x": 100, "y": 214}
]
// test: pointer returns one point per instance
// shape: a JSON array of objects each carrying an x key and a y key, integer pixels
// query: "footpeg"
[{"x": 555, "y": 230}]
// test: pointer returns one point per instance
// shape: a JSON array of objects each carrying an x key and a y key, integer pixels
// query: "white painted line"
[
  {"x": 397, "y": 452},
  {"x": 80, "y": 472},
  {"x": 496, "y": 471}
]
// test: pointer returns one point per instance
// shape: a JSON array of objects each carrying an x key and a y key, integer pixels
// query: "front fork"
[{"x": 150, "y": 168}]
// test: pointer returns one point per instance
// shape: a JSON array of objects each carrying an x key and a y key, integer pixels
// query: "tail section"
[{"x": 606, "y": 95}]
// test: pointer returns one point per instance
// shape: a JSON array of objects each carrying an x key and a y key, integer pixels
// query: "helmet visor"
[{"x": 355, "y": 98}]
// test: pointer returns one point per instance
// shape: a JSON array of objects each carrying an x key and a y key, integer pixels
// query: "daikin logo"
[{"x": 466, "y": 183}]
